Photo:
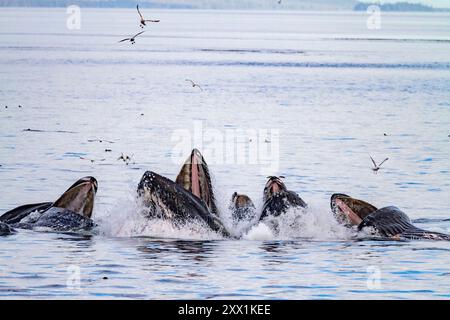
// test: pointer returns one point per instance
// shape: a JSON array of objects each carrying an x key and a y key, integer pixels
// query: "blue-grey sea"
[{"x": 306, "y": 95}]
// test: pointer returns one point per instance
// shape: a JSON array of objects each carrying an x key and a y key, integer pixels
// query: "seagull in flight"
[
  {"x": 375, "y": 166},
  {"x": 91, "y": 160},
  {"x": 125, "y": 158},
  {"x": 194, "y": 84},
  {"x": 99, "y": 140},
  {"x": 132, "y": 39},
  {"x": 143, "y": 21}
]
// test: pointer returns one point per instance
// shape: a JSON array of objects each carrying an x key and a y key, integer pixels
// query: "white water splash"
[
  {"x": 125, "y": 220},
  {"x": 259, "y": 232},
  {"x": 311, "y": 223}
]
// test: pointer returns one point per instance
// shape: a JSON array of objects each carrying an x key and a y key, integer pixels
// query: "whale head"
[
  {"x": 348, "y": 210},
  {"x": 79, "y": 198},
  {"x": 274, "y": 185},
  {"x": 240, "y": 201},
  {"x": 194, "y": 176},
  {"x": 163, "y": 198},
  {"x": 242, "y": 207}
]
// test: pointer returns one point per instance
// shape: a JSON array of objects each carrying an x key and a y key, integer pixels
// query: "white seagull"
[
  {"x": 91, "y": 160},
  {"x": 194, "y": 84},
  {"x": 143, "y": 21},
  {"x": 375, "y": 166},
  {"x": 132, "y": 39},
  {"x": 125, "y": 158}
]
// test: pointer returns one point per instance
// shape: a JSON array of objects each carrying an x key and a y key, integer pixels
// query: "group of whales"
[{"x": 190, "y": 198}]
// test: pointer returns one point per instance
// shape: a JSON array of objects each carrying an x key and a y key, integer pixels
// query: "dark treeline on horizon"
[
  {"x": 398, "y": 6},
  {"x": 247, "y": 4}
]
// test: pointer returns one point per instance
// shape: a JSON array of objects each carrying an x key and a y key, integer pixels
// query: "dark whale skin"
[
  {"x": 5, "y": 229},
  {"x": 280, "y": 202},
  {"x": 391, "y": 222},
  {"x": 166, "y": 199},
  {"x": 58, "y": 220},
  {"x": 70, "y": 212},
  {"x": 17, "y": 214}
]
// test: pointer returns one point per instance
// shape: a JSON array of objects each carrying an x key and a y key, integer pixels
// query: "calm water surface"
[{"x": 329, "y": 86}]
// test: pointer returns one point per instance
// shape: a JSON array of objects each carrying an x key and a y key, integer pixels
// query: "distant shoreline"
[
  {"x": 399, "y": 7},
  {"x": 227, "y": 9},
  {"x": 247, "y": 11},
  {"x": 346, "y": 5}
]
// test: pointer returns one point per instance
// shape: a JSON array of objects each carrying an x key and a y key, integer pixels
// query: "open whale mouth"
[
  {"x": 79, "y": 198},
  {"x": 194, "y": 176},
  {"x": 350, "y": 211},
  {"x": 273, "y": 186}
]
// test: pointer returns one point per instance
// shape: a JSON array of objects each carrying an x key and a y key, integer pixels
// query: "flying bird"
[
  {"x": 99, "y": 140},
  {"x": 375, "y": 166},
  {"x": 133, "y": 38},
  {"x": 91, "y": 160},
  {"x": 143, "y": 21},
  {"x": 124, "y": 158},
  {"x": 194, "y": 84}
]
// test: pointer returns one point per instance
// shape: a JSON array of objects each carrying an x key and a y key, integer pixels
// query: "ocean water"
[{"x": 323, "y": 90}]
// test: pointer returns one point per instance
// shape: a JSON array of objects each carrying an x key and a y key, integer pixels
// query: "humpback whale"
[
  {"x": 72, "y": 211},
  {"x": 242, "y": 207},
  {"x": 166, "y": 199},
  {"x": 5, "y": 229},
  {"x": 389, "y": 222},
  {"x": 278, "y": 199},
  {"x": 189, "y": 198}
]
